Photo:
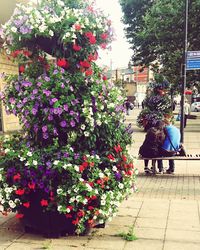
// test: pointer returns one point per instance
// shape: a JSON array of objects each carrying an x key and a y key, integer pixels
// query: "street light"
[{"x": 184, "y": 74}]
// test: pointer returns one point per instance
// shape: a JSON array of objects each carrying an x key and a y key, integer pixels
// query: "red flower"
[
  {"x": 91, "y": 164},
  {"x": 104, "y": 78},
  {"x": 27, "y": 53},
  {"x": 99, "y": 181},
  {"x": 81, "y": 213},
  {"x": 15, "y": 53},
  {"x": 104, "y": 36},
  {"x": 31, "y": 185},
  {"x": 90, "y": 207},
  {"x": 111, "y": 157},
  {"x": 19, "y": 216},
  {"x": 26, "y": 204},
  {"x": 92, "y": 40},
  {"x": 89, "y": 34},
  {"x": 75, "y": 222},
  {"x": 76, "y": 47},
  {"x": 21, "y": 69},
  {"x": 92, "y": 57},
  {"x": 90, "y": 222},
  {"x": 124, "y": 158},
  {"x": 62, "y": 62},
  {"x": 118, "y": 148},
  {"x": 77, "y": 26},
  {"x": 20, "y": 191},
  {"x": 85, "y": 164},
  {"x": 16, "y": 177},
  {"x": 89, "y": 72},
  {"x": 70, "y": 207},
  {"x": 44, "y": 203},
  {"x": 103, "y": 45},
  {"x": 85, "y": 64},
  {"x": 129, "y": 172},
  {"x": 93, "y": 197},
  {"x": 81, "y": 168}
]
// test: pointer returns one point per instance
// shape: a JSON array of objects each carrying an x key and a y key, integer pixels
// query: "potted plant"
[{"x": 69, "y": 169}]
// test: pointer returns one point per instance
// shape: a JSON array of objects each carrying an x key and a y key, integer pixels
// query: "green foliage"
[
  {"x": 129, "y": 236},
  {"x": 155, "y": 29}
]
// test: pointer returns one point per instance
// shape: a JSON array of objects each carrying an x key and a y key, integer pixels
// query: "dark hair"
[{"x": 160, "y": 124}]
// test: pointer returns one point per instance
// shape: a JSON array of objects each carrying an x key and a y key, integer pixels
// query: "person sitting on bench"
[
  {"x": 171, "y": 143},
  {"x": 151, "y": 146}
]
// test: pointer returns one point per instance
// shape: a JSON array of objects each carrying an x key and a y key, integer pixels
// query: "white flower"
[
  {"x": 83, "y": 126},
  {"x": 101, "y": 175},
  {"x": 59, "y": 2},
  {"x": 51, "y": 33},
  {"x": 22, "y": 158},
  {"x": 42, "y": 28},
  {"x": 99, "y": 122},
  {"x": 76, "y": 168},
  {"x": 29, "y": 153},
  {"x": 27, "y": 163},
  {"x": 86, "y": 134},
  {"x": 89, "y": 188},
  {"x": 1, "y": 177},
  {"x": 59, "y": 191},
  {"x": 103, "y": 202},
  {"x": 7, "y": 150},
  {"x": 1, "y": 208},
  {"x": 12, "y": 204},
  {"x": 121, "y": 185},
  {"x": 56, "y": 162},
  {"x": 13, "y": 29},
  {"x": 59, "y": 208},
  {"x": 68, "y": 210},
  {"x": 114, "y": 168},
  {"x": 35, "y": 162}
]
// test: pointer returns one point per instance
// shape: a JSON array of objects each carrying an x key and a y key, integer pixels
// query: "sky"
[{"x": 120, "y": 54}]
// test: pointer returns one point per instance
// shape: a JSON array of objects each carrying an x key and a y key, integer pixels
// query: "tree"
[{"x": 156, "y": 31}]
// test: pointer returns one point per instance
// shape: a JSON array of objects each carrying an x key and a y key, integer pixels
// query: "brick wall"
[{"x": 9, "y": 122}]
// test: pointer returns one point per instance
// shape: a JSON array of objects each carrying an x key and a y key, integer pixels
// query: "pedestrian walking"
[{"x": 186, "y": 112}]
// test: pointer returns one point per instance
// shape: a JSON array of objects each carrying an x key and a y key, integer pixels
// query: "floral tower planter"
[{"x": 69, "y": 169}]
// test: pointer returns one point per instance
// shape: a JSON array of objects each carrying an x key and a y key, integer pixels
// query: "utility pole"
[{"x": 184, "y": 74}]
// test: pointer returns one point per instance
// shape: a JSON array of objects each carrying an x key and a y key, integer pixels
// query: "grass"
[{"x": 129, "y": 236}]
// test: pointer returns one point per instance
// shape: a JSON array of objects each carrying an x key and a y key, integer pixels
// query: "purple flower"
[
  {"x": 35, "y": 91},
  {"x": 34, "y": 111},
  {"x": 39, "y": 84},
  {"x": 45, "y": 136},
  {"x": 46, "y": 78},
  {"x": 62, "y": 85},
  {"x": 44, "y": 129},
  {"x": 26, "y": 84},
  {"x": 25, "y": 29},
  {"x": 76, "y": 156},
  {"x": 55, "y": 132},
  {"x": 50, "y": 117},
  {"x": 71, "y": 112},
  {"x": 35, "y": 128},
  {"x": 48, "y": 163},
  {"x": 63, "y": 124},
  {"x": 118, "y": 176},
  {"x": 12, "y": 100},
  {"x": 53, "y": 100},
  {"x": 55, "y": 72},
  {"x": 25, "y": 100},
  {"x": 47, "y": 92},
  {"x": 72, "y": 123},
  {"x": 66, "y": 108},
  {"x": 66, "y": 155},
  {"x": 19, "y": 105}
]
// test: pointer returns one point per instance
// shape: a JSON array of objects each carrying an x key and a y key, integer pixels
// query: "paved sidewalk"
[{"x": 165, "y": 212}]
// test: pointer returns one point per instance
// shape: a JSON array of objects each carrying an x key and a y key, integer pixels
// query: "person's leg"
[
  {"x": 160, "y": 165},
  {"x": 185, "y": 120},
  {"x": 171, "y": 167},
  {"x": 146, "y": 169}
]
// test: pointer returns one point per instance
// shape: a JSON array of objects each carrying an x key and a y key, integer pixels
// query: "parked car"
[{"x": 195, "y": 106}]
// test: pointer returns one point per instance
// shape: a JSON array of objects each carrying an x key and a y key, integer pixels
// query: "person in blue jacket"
[{"x": 171, "y": 143}]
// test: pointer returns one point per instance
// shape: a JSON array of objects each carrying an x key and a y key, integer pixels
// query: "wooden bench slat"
[{"x": 190, "y": 157}]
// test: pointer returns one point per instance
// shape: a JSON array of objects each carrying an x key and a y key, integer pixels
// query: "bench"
[{"x": 183, "y": 158}]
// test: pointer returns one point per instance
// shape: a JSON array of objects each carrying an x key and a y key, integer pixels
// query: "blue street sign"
[
  {"x": 193, "y": 60},
  {"x": 193, "y": 64}
]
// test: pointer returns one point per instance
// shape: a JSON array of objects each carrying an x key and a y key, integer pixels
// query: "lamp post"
[{"x": 184, "y": 74}]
